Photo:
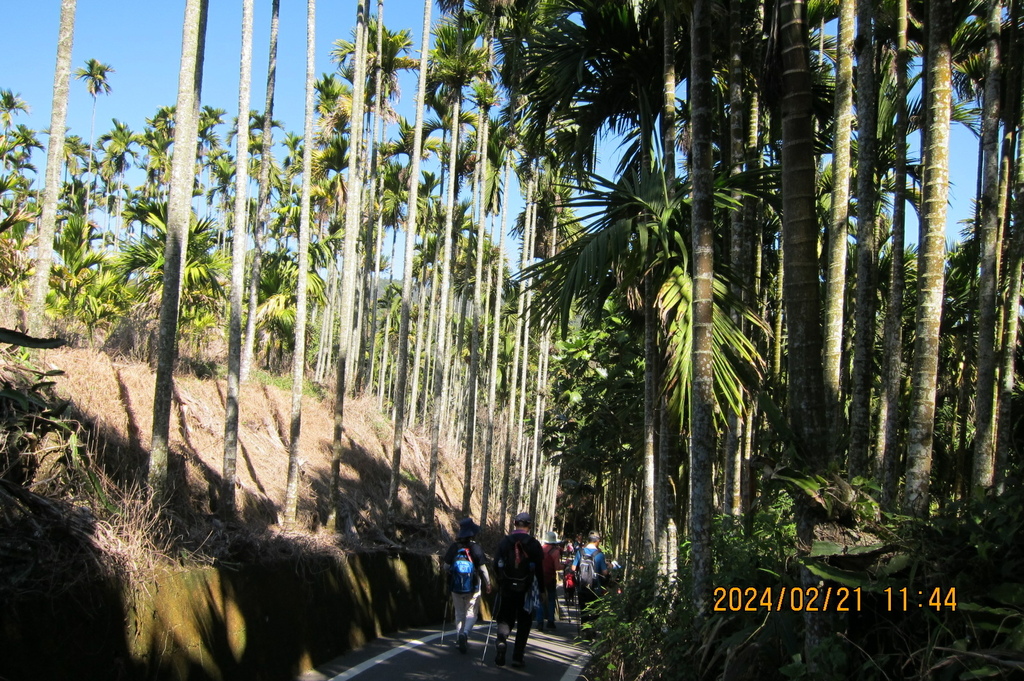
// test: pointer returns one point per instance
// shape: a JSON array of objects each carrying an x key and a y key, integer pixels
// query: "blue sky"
[{"x": 142, "y": 41}]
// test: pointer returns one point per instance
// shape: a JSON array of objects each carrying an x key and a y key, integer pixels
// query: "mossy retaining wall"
[{"x": 257, "y": 623}]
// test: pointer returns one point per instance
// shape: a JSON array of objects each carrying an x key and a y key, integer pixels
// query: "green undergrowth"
[{"x": 961, "y": 574}]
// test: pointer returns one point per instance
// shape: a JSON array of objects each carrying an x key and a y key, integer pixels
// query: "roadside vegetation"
[{"x": 750, "y": 353}]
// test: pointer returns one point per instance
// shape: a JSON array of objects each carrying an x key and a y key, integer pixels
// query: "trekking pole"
[
  {"x": 444, "y": 624},
  {"x": 494, "y": 614}
]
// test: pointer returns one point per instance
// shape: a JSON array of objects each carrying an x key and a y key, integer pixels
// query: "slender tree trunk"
[
  {"x": 441, "y": 366},
  {"x": 375, "y": 186},
  {"x": 835, "y": 295},
  {"x": 492, "y": 377},
  {"x": 291, "y": 502},
  {"x": 988, "y": 277},
  {"x": 806, "y": 399},
  {"x": 263, "y": 200},
  {"x": 1009, "y": 347},
  {"x": 867, "y": 251},
  {"x": 347, "y": 334},
  {"x": 179, "y": 215},
  {"x": 54, "y": 161},
  {"x": 931, "y": 259},
  {"x": 703, "y": 440},
  {"x": 402, "y": 362},
  {"x": 238, "y": 248},
  {"x": 474, "y": 347},
  {"x": 888, "y": 427}
]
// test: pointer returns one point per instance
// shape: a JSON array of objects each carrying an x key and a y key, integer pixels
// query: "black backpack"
[
  {"x": 587, "y": 571},
  {"x": 516, "y": 568}
]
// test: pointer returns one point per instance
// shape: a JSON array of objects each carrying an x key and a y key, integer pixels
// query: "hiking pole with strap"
[{"x": 494, "y": 615}]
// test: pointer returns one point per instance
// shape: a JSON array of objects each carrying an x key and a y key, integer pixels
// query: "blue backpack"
[{"x": 462, "y": 573}]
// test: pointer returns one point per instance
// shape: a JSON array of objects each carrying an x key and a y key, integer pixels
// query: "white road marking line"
[
  {"x": 363, "y": 666},
  {"x": 576, "y": 668}
]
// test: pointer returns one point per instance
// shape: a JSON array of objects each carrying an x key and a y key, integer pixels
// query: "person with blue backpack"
[{"x": 467, "y": 572}]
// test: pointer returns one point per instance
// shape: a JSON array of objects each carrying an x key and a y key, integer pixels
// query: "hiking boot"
[
  {"x": 499, "y": 658},
  {"x": 551, "y": 625},
  {"x": 517, "y": 661},
  {"x": 463, "y": 642}
]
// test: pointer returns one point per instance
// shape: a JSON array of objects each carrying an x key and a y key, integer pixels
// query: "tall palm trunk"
[
  {"x": 492, "y": 376},
  {"x": 888, "y": 426},
  {"x": 54, "y": 161},
  {"x": 291, "y": 502},
  {"x": 931, "y": 259},
  {"x": 702, "y": 403},
  {"x": 985, "y": 425},
  {"x": 441, "y": 355},
  {"x": 375, "y": 186},
  {"x": 263, "y": 200},
  {"x": 835, "y": 294},
  {"x": 179, "y": 214},
  {"x": 402, "y": 362},
  {"x": 347, "y": 336},
  {"x": 800, "y": 263},
  {"x": 1013, "y": 174},
  {"x": 238, "y": 248},
  {"x": 474, "y": 346},
  {"x": 512, "y": 420},
  {"x": 867, "y": 252},
  {"x": 733, "y": 464}
]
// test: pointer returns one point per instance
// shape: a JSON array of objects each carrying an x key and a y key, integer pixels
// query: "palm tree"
[
  {"x": 11, "y": 104},
  {"x": 54, "y": 157},
  {"x": 402, "y": 341},
  {"x": 95, "y": 74},
  {"x": 119, "y": 149},
  {"x": 142, "y": 264},
  {"x": 931, "y": 276},
  {"x": 867, "y": 250},
  {"x": 838, "y": 235},
  {"x": 800, "y": 241},
  {"x": 179, "y": 213},
  {"x": 888, "y": 426},
  {"x": 263, "y": 200},
  {"x": 456, "y": 62},
  {"x": 347, "y": 339},
  {"x": 299, "y": 354},
  {"x": 702, "y": 427},
  {"x": 985, "y": 412},
  {"x": 238, "y": 248}
]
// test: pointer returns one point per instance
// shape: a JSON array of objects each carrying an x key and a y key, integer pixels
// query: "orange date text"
[{"x": 791, "y": 598}]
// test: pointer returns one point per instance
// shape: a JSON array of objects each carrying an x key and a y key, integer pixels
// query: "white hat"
[{"x": 550, "y": 537}]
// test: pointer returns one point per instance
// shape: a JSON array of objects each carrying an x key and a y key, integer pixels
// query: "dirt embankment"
[
  {"x": 86, "y": 548},
  {"x": 115, "y": 398}
]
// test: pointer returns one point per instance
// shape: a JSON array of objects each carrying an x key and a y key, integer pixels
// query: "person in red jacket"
[{"x": 552, "y": 563}]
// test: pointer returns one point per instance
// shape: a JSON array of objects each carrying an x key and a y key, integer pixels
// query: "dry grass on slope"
[{"x": 114, "y": 399}]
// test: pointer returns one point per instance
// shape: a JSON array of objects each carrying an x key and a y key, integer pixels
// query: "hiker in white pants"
[{"x": 467, "y": 568}]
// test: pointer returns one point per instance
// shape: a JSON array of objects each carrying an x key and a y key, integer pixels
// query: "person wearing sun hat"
[
  {"x": 467, "y": 566},
  {"x": 551, "y": 549}
]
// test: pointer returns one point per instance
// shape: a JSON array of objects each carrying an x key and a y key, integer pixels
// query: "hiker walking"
[
  {"x": 591, "y": 576},
  {"x": 518, "y": 566},
  {"x": 467, "y": 567},
  {"x": 552, "y": 562}
]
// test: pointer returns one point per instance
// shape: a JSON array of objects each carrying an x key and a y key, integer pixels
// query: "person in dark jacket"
[
  {"x": 519, "y": 587},
  {"x": 467, "y": 605}
]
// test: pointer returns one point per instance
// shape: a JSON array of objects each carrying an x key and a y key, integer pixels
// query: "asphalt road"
[{"x": 421, "y": 654}]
